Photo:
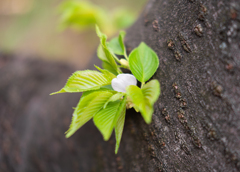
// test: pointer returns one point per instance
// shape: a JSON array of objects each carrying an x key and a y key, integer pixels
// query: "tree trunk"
[{"x": 196, "y": 123}]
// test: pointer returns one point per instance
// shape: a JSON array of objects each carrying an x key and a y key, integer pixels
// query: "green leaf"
[
  {"x": 100, "y": 34},
  {"x": 105, "y": 119},
  {"x": 114, "y": 98},
  {"x": 104, "y": 53},
  {"x": 108, "y": 87},
  {"x": 106, "y": 72},
  {"x": 101, "y": 54},
  {"x": 90, "y": 103},
  {"x": 108, "y": 67},
  {"x": 85, "y": 81},
  {"x": 151, "y": 91},
  {"x": 117, "y": 44},
  {"x": 137, "y": 97},
  {"x": 121, "y": 41},
  {"x": 81, "y": 14},
  {"x": 143, "y": 62},
  {"x": 119, "y": 123}
]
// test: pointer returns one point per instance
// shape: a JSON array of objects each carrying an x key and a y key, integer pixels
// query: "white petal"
[
  {"x": 122, "y": 81},
  {"x": 118, "y": 85}
]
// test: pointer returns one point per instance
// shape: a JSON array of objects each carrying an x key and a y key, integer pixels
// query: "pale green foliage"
[
  {"x": 119, "y": 127},
  {"x": 117, "y": 45},
  {"x": 141, "y": 102},
  {"x": 107, "y": 66},
  {"x": 121, "y": 37},
  {"x": 100, "y": 34},
  {"x": 104, "y": 53},
  {"x": 82, "y": 15},
  {"x": 145, "y": 98},
  {"x": 106, "y": 72},
  {"x": 143, "y": 62},
  {"x": 151, "y": 91},
  {"x": 106, "y": 118},
  {"x": 87, "y": 107},
  {"x": 85, "y": 81},
  {"x": 114, "y": 98},
  {"x": 100, "y": 101}
]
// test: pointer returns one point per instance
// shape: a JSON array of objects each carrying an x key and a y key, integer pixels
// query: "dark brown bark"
[
  {"x": 197, "y": 118},
  {"x": 196, "y": 123}
]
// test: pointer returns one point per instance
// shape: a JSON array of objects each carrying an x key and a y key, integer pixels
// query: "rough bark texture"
[{"x": 196, "y": 124}]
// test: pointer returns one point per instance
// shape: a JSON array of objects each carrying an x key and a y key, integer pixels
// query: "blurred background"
[{"x": 59, "y": 30}]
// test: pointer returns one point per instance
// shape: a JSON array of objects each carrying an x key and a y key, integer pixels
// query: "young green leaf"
[
  {"x": 104, "y": 53},
  {"x": 106, "y": 72},
  {"x": 114, "y": 98},
  {"x": 90, "y": 103},
  {"x": 108, "y": 87},
  {"x": 119, "y": 129},
  {"x": 85, "y": 81},
  {"x": 143, "y": 62},
  {"x": 117, "y": 45},
  {"x": 108, "y": 67},
  {"x": 151, "y": 91},
  {"x": 121, "y": 42},
  {"x": 119, "y": 123},
  {"x": 105, "y": 118},
  {"x": 100, "y": 34},
  {"x": 141, "y": 103}
]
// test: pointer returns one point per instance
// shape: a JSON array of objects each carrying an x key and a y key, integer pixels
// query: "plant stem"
[
  {"x": 115, "y": 57},
  {"x": 125, "y": 55}
]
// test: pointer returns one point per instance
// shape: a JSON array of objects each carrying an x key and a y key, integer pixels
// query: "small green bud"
[{"x": 124, "y": 63}]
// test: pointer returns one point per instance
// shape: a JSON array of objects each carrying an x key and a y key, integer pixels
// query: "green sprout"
[{"x": 108, "y": 92}]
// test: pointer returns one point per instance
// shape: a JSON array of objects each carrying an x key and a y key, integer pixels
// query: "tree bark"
[{"x": 196, "y": 123}]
